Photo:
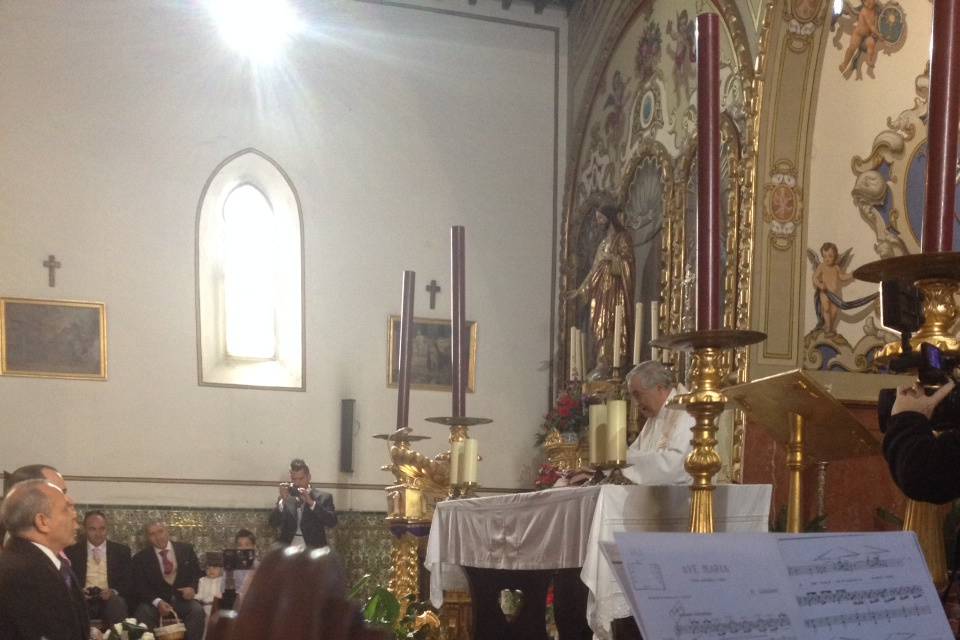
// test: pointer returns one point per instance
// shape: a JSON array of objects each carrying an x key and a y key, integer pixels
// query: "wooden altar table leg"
[
  {"x": 570, "y": 605},
  {"x": 489, "y": 621},
  {"x": 625, "y": 629}
]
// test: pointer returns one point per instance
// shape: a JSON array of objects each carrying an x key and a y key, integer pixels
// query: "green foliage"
[{"x": 382, "y": 609}]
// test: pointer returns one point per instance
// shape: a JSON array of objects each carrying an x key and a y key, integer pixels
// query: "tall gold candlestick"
[{"x": 705, "y": 403}]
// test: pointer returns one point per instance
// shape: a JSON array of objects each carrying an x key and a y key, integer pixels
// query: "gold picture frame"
[
  {"x": 430, "y": 368},
  {"x": 53, "y": 339}
]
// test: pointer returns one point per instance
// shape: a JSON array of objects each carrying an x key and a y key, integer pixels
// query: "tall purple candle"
[
  {"x": 457, "y": 319},
  {"x": 943, "y": 115},
  {"x": 406, "y": 338},
  {"x": 709, "y": 290}
]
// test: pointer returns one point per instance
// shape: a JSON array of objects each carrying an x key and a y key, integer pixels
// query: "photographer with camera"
[
  {"x": 923, "y": 462},
  {"x": 301, "y": 512}
]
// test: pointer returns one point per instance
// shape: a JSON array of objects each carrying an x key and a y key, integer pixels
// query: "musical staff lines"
[
  {"x": 875, "y": 616},
  {"x": 707, "y": 627},
  {"x": 843, "y": 596},
  {"x": 840, "y": 566}
]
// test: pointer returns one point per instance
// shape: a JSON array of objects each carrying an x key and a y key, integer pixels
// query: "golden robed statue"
[{"x": 608, "y": 284}]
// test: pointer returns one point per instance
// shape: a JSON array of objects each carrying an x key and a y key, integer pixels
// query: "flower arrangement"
[
  {"x": 567, "y": 416},
  {"x": 129, "y": 629}
]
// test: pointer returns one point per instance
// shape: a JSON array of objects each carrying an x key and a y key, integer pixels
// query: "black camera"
[
  {"x": 295, "y": 492},
  {"x": 901, "y": 310},
  {"x": 238, "y": 559}
]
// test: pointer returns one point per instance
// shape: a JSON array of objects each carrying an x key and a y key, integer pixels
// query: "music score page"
[{"x": 747, "y": 586}]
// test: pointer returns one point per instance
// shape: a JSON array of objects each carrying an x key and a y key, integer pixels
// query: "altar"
[{"x": 521, "y": 541}]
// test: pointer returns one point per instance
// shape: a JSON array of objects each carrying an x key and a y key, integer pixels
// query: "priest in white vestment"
[{"x": 657, "y": 455}]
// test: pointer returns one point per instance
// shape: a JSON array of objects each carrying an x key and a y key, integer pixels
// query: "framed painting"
[
  {"x": 430, "y": 365},
  {"x": 53, "y": 339}
]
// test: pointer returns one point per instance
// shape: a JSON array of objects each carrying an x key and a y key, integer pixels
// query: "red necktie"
[{"x": 167, "y": 565}]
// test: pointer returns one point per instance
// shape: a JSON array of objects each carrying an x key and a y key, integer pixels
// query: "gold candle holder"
[
  {"x": 935, "y": 275},
  {"x": 705, "y": 403},
  {"x": 459, "y": 431},
  {"x": 615, "y": 476},
  {"x": 465, "y": 490}
]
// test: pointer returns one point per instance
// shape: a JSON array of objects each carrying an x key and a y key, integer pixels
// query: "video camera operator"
[
  {"x": 924, "y": 464},
  {"x": 302, "y": 512}
]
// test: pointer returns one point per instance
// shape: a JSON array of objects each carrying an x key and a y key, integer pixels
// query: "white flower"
[
  {"x": 147, "y": 636},
  {"x": 131, "y": 620}
]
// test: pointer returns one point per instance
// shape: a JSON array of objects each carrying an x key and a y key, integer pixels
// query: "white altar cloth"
[
  {"x": 563, "y": 528},
  {"x": 656, "y": 508}
]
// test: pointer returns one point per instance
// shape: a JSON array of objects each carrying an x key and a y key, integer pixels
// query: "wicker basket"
[{"x": 174, "y": 630}]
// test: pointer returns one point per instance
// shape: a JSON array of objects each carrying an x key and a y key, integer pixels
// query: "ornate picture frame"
[
  {"x": 430, "y": 368},
  {"x": 53, "y": 339}
]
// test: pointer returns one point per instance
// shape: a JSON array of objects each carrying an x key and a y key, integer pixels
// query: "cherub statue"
[{"x": 683, "y": 52}]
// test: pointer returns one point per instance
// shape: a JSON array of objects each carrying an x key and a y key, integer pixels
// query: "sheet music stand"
[{"x": 800, "y": 414}]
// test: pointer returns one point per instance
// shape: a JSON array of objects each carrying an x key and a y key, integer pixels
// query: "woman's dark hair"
[
  {"x": 300, "y": 595},
  {"x": 612, "y": 213}
]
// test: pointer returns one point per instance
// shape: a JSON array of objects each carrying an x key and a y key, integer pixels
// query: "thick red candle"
[
  {"x": 943, "y": 115},
  {"x": 458, "y": 366},
  {"x": 709, "y": 290},
  {"x": 406, "y": 339}
]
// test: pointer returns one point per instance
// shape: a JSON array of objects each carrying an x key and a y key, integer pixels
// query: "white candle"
[
  {"x": 581, "y": 353},
  {"x": 616, "y": 448},
  {"x": 572, "y": 353},
  {"x": 456, "y": 453},
  {"x": 576, "y": 373},
  {"x": 617, "y": 333},
  {"x": 637, "y": 332},
  {"x": 598, "y": 419},
  {"x": 468, "y": 467},
  {"x": 654, "y": 327}
]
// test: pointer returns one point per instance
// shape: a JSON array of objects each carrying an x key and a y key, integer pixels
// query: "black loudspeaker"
[{"x": 347, "y": 406}]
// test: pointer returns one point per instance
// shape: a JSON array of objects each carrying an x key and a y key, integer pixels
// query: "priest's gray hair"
[
  {"x": 651, "y": 374},
  {"x": 24, "y": 501}
]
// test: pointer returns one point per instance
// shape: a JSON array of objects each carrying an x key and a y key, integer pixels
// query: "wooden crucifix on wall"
[
  {"x": 433, "y": 288},
  {"x": 52, "y": 265}
]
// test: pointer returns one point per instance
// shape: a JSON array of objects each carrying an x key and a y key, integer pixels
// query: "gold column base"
[
  {"x": 405, "y": 561},
  {"x": 926, "y": 520}
]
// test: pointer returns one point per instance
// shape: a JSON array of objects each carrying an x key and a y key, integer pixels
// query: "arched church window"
[{"x": 250, "y": 276}]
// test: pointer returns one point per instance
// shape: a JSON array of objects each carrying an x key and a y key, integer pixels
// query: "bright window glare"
[
  {"x": 257, "y": 29},
  {"x": 248, "y": 276}
]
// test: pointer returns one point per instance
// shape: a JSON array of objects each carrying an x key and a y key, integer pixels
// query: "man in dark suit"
[
  {"x": 39, "y": 595},
  {"x": 301, "y": 513},
  {"x": 102, "y": 568},
  {"x": 165, "y": 579}
]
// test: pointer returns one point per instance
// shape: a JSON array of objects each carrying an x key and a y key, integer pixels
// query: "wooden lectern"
[{"x": 799, "y": 413}]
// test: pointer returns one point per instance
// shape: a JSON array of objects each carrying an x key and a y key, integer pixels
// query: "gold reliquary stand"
[
  {"x": 937, "y": 277},
  {"x": 802, "y": 416},
  {"x": 705, "y": 403}
]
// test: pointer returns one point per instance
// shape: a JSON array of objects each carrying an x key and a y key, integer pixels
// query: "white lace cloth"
[{"x": 562, "y": 529}]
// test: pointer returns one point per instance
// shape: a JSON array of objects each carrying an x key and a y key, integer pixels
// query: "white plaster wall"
[
  {"x": 849, "y": 115},
  {"x": 393, "y": 123}
]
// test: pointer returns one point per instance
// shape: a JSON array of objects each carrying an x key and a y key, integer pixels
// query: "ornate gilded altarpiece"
[{"x": 638, "y": 151}]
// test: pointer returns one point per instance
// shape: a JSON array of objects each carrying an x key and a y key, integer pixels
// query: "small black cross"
[
  {"x": 434, "y": 289},
  {"x": 51, "y": 264}
]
